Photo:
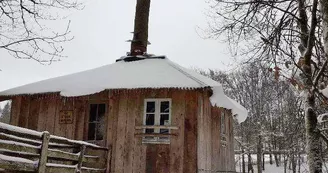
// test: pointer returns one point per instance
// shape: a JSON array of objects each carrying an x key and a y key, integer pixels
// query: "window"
[
  {"x": 96, "y": 121},
  {"x": 223, "y": 128},
  {"x": 223, "y": 122},
  {"x": 157, "y": 113}
]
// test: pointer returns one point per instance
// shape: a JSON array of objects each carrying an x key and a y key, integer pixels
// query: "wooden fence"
[{"x": 24, "y": 150}]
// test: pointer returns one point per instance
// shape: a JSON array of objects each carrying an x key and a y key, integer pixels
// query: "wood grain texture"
[
  {"x": 24, "y": 112},
  {"x": 33, "y": 113},
  {"x": 195, "y": 146},
  {"x": 15, "y": 110}
]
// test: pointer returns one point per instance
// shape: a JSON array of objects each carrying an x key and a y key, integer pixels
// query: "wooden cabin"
[{"x": 155, "y": 115}]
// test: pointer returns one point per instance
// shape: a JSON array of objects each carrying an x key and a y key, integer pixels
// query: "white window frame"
[{"x": 157, "y": 120}]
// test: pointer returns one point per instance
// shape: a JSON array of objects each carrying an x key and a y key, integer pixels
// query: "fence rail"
[{"x": 31, "y": 151}]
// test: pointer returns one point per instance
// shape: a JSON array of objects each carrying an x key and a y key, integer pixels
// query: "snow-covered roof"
[{"x": 147, "y": 73}]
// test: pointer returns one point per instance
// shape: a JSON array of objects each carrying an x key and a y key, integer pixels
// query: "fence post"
[
  {"x": 80, "y": 161},
  {"x": 44, "y": 152}
]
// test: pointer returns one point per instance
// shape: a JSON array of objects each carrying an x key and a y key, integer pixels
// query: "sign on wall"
[{"x": 66, "y": 117}]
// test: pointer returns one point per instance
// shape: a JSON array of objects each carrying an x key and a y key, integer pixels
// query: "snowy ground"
[{"x": 273, "y": 168}]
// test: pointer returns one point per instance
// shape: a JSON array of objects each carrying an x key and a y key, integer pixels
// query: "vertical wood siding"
[
  {"x": 213, "y": 155},
  {"x": 195, "y": 148}
]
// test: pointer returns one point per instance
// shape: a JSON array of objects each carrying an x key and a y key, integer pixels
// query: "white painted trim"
[{"x": 157, "y": 119}]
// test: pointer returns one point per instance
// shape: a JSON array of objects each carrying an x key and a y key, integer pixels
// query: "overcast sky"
[{"x": 103, "y": 26}]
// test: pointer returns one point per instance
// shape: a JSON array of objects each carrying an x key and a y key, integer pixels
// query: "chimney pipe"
[{"x": 140, "y": 34}]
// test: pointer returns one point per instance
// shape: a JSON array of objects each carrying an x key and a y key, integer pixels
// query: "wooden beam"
[
  {"x": 80, "y": 159},
  {"x": 44, "y": 153},
  {"x": 155, "y": 134},
  {"x": 11, "y": 165},
  {"x": 18, "y": 147},
  {"x": 157, "y": 127}
]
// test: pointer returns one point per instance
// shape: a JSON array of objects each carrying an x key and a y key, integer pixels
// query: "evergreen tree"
[{"x": 5, "y": 117}]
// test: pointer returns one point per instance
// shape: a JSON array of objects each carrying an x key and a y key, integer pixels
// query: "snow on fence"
[{"x": 31, "y": 151}]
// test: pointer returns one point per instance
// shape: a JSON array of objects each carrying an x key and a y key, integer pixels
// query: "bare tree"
[
  {"x": 275, "y": 120},
  {"x": 25, "y": 30},
  {"x": 287, "y": 35}
]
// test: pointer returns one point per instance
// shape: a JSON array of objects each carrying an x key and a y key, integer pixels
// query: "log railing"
[{"x": 24, "y": 150}]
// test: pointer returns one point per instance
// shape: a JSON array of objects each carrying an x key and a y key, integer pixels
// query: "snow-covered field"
[{"x": 273, "y": 168}]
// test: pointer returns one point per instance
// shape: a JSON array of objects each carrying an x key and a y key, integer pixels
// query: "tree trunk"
[
  {"x": 276, "y": 159},
  {"x": 312, "y": 136},
  {"x": 263, "y": 162},
  {"x": 270, "y": 155},
  {"x": 140, "y": 35},
  {"x": 324, "y": 9},
  {"x": 250, "y": 166},
  {"x": 299, "y": 163},
  {"x": 293, "y": 160},
  {"x": 285, "y": 164},
  {"x": 259, "y": 154},
  {"x": 243, "y": 161}
]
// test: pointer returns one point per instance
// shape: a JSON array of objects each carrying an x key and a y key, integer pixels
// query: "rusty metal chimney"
[{"x": 140, "y": 34}]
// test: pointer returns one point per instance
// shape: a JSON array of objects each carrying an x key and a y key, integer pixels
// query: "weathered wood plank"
[
  {"x": 34, "y": 142},
  {"x": 17, "y": 166},
  {"x": 155, "y": 134},
  {"x": 121, "y": 132},
  {"x": 44, "y": 153},
  {"x": 178, "y": 119},
  {"x": 80, "y": 159},
  {"x": 157, "y": 127},
  {"x": 80, "y": 114},
  {"x": 130, "y": 130},
  {"x": 158, "y": 159},
  {"x": 19, "y": 147},
  {"x": 62, "y": 155},
  {"x": 43, "y": 113},
  {"x": 51, "y": 115},
  {"x": 33, "y": 114},
  {"x": 24, "y": 112},
  {"x": 215, "y": 127},
  {"x": 15, "y": 110},
  {"x": 56, "y": 168},
  {"x": 59, "y": 128},
  {"x": 208, "y": 132},
  {"x": 69, "y": 128},
  {"x": 201, "y": 133},
  {"x": 190, "y": 133},
  {"x": 139, "y": 151},
  {"x": 111, "y": 130}
]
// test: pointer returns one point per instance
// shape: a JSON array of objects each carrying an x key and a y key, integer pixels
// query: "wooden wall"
[
  {"x": 193, "y": 146},
  {"x": 130, "y": 155},
  {"x": 213, "y": 154}
]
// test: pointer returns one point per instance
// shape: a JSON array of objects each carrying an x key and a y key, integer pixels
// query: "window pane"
[
  {"x": 99, "y": 131},
  {"x": 164, "y": 121},
  {"x": 165, "y": 107},
  {"x": 223, "y": 122},
  {"x": 149, "y": 130},
  {"x": 101, "y": 112},
  {"x": 150, "y": 119},
  {"x": 93, "y": 112},
  {"x": 150, "y": 107},
  {"x": 91, "y": 131},
  {"x": 165, "y": 131}
]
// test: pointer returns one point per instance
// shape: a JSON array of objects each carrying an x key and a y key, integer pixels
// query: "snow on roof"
[
  {"x": 220, "y": 99},
  {"x": 147, "y": 73}
]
